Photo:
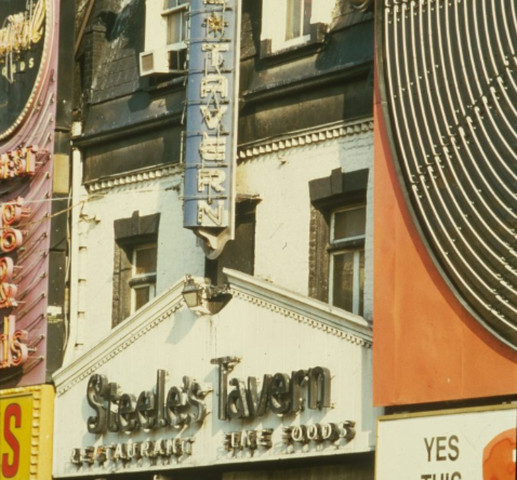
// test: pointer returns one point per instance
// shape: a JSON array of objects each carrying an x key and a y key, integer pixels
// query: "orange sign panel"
[
  {"x": 26, "y": 416},
  {"x": 499, "y": 456},
  {"x": 445, "y": 317},
  {"x": 427, "y": 348}
]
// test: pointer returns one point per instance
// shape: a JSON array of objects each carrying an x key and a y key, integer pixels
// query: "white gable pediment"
[{"x": 271, "y": 367}]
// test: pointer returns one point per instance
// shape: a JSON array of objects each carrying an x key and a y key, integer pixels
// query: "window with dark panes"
[
  {"x": 175, "y": 12},
  {"x": 293, "y": 24},
  {"x": 176, "y": 16},
  {"x": 135, "y": 264},
  {"x": 337, "y": 239},
  {"x": 346, "y": 255},
  {"x": 143, "y": 280},
  {"x": 298, "y": 19},
  {"x": 239, "y": 253}
]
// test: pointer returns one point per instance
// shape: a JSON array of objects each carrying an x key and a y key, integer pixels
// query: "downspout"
[
  {"x": 84, "y": 23},
  {"x": 74, "y": 339}
]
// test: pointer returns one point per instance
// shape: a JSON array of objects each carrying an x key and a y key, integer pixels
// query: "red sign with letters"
[
  {"x": 28, "y": 92},
  {"x": 26, "y": 421},
  {"x": 16, "y": 419}
]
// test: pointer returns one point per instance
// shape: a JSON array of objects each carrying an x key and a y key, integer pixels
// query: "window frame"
[
  {"x": 161, "y": 56},
  {"x": 337, "y": 192},
  {"x": 355, "y": 245},
  {"x": 139, "y": 281},
  {"x": 181, "y": 8},
  {"x": 304, "y": 35},
  {"x": 239, "y": 254},
  {"x": 130, "y": 234},
  {"x": 273, "y": 38}
]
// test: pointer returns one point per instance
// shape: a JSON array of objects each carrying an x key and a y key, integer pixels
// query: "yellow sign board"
[{"x": 26, "y": 417}]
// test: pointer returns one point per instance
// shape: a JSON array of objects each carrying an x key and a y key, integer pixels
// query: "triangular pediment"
[
  {"x": 259, "y": 294},
  {"x": 271, "y": 365}
]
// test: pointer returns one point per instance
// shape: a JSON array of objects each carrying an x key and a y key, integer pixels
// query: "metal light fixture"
[
  {"x": 202, "y": 297},
  {"x": 192, "y": 292}
]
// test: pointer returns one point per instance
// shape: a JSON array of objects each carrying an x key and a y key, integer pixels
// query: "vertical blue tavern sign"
[{"x": 211, "y": 137}]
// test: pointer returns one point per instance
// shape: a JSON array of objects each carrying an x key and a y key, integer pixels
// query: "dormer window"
[
  {"x": 298, "y": 20},
  {"x": 175, "y": 14},
  {"x": 166, "y": 36},
  {"x": 290, "y": 24}
]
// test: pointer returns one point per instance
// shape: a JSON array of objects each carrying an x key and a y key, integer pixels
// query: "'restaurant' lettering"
[{"x": 126, "y": 452}]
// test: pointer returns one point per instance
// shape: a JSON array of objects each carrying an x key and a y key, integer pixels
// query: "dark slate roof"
[{"x": 117, "y": 73}]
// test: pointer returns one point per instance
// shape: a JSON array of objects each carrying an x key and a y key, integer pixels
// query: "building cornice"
[
  {"x": 134, "y": 177},
  {"x": 304, "y": 137},
  {"x": 249, "y": 151},
  {"x": 120, "y": 338},
  {"x": 309, "y": 311},
  {"x": 313, "y": 313}
]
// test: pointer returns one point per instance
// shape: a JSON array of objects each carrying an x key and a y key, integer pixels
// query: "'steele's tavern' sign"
[
  {"x": 183, "y": 405},
  {"x": 115, "y": 412},
  {"x": 211, "y": 139},
  {"x": 22, "y": 50},
  {"x": 177, "y": 414},
  {"x": 281, "y": 393}
]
